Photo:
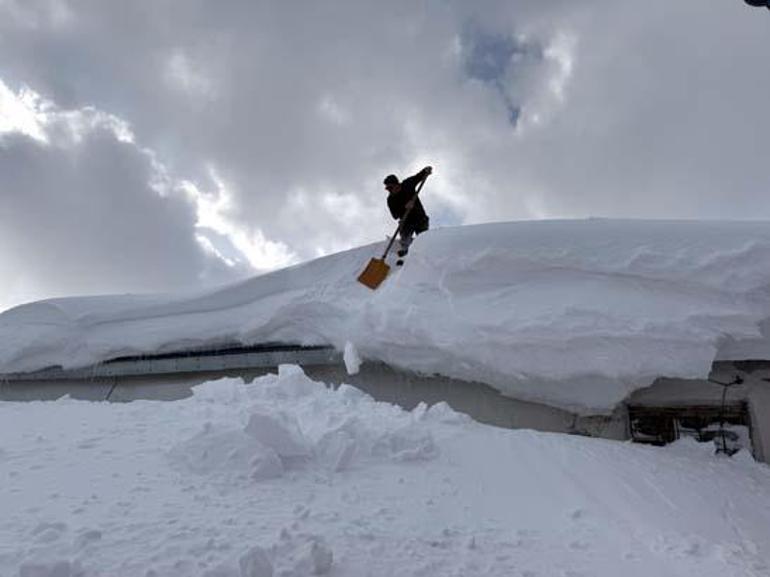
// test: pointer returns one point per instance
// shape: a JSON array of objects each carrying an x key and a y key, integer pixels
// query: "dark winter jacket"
[{"x": 417, "y": 221}]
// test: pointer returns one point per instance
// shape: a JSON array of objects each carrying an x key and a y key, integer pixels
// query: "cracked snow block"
[
  {"x": 281, "y": 433},
  {"x": 336, "y": 450}
]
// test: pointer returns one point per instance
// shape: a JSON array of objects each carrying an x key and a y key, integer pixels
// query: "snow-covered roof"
[{"x": 573, "y": 313}]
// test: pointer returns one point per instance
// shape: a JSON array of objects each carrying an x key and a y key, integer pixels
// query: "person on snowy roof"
[{"x": 403, "y": 203}]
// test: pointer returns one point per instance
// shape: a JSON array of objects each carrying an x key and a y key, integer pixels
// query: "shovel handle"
[{"x": 403, "y": 219}]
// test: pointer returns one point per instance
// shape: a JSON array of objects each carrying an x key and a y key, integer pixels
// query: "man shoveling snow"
[{"x": 405, "y": 206}]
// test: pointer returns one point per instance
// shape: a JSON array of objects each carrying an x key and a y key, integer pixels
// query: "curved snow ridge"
[
  {"x": 575, "y": 314},
  {"x": 80, "y": 331}
]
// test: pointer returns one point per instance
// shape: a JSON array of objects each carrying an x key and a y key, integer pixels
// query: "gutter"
[{"x": 232, "y": 357}]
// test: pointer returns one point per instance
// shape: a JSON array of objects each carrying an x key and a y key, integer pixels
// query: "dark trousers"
[{"x": 409, "y": 231}]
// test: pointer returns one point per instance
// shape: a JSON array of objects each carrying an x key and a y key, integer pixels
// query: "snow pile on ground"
[
  {"x": 287, "y": 477},
  {"x": 575, "y": 314},
  {"x": 273, "y": 442}
]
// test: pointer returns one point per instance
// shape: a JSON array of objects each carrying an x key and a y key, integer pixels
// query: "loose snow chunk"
[
  {"x": 282, "y": 434},
  {"x": 336, "y": 449},
  {"x": 291, "y": 382},
  {"x": 443, "y": 413},
  {"x": 351, "y": 358},
  {"x": 290, "y": 371},
  {"x": 351, "y": 393},
  {"x": 227, "y": 391}
]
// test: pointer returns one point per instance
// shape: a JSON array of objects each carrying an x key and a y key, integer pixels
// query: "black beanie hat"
[{"x": 390, "y": 179}]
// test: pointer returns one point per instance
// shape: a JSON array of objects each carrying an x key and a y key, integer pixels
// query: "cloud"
[
  {"x": 83, "y": 209},
  {"x": 283, "y": 117}
]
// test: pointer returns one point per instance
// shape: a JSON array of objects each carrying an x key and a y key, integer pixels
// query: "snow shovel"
[{"x": 377, "y": 269}]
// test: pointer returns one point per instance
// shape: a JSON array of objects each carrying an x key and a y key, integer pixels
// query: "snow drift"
[
  {"x": 337, "y": 484},
  {"x": 575, "y": 314}
]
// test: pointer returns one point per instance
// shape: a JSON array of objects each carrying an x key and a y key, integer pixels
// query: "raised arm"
[{"x": 420, "y": 176}]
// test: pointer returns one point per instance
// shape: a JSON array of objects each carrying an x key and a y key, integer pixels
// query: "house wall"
[
  {"x": 754, "y": 391},
  {"x": 481, "y": 402}
]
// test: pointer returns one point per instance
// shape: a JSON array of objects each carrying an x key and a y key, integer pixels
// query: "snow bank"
[
  {"x": 156, "y": 489},
  {"x": 353, "y": 428},
  {"x": 575, "y": 314}
]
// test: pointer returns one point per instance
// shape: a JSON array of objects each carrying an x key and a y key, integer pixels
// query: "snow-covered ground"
[
  {"x": 286, "y": 476},
  {"x": 575, "y": 314}
]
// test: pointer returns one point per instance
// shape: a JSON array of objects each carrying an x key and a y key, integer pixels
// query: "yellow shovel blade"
[{"x": 374, "y": 273}]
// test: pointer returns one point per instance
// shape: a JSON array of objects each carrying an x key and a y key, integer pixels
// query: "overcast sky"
[{"x": 159, "y": 145}]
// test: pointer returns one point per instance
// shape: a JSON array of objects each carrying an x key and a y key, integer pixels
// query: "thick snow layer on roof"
[{"x": 575, "y": 314}]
